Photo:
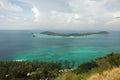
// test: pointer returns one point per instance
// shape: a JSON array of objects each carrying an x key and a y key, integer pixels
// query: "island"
[{"x": 73, "y": 34}]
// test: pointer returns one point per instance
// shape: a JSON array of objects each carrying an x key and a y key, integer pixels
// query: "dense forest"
[{"x": 39, "y": 70}]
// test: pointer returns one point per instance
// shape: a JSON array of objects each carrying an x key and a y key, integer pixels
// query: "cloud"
[
  {"x": 87, "y": 7},
  {"x": 61, "y": 14},
  {"x": 71, "y": 19},
  {"x": 114, "y": 20},
  {"x": 77, "y": 16},
  {"x": 17, "y": 22},
  {"x": 35, "y": 9},
  {"x": 112, "y": 5},
  {"x": 91, "y": 22},
  {"x": 116, "y": 14},
  {"x": 81, "y": 11},
  {"x": 7, "y": 5},
  {"x": 113, "y": 23},
  {"x": 48, "y": 5},
  {"x": 37, "y": 14}
]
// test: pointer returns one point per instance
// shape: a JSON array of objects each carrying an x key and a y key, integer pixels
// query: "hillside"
[
  {"x": 61, "y": 70},
  {"x": 113, "y": 74},
  {"x": 104, "y": 68}
]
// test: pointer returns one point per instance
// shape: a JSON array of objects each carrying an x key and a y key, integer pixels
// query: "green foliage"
[
  {"x": 72, "y": 76},
  {"x": 97, "y": 66},
  {"x": 114, "y": 60},
  {"x": 18, "y": 70},
  {"x": 3, "y": 72},
  {"x": 86, "y": 67},
  {"x": 36, "y": 69}
]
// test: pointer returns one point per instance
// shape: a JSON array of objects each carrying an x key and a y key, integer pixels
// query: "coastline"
[{"x": 57, "y": 70}]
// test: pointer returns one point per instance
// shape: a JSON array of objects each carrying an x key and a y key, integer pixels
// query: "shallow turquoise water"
[{"x": 20, "y": 45}]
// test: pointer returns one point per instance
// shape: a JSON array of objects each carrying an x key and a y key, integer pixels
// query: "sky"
[{"x": 60, "y": 14}]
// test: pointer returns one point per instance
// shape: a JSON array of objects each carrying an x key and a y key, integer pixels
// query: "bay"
[{"x": 21, "y": 45}]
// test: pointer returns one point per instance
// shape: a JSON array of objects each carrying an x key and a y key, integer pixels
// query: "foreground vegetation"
[
  {"x": 113, "y": 74},
  {"x": 99, "y": 69},
  {"x": 60, "y": 70},
  {"x": 110, "y": 74}
]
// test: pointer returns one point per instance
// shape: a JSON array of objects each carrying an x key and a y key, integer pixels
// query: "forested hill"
[{"x": 73, "y": 34}]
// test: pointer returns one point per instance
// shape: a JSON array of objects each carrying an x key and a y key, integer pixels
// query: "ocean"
[{"x": 21, "y": 45}]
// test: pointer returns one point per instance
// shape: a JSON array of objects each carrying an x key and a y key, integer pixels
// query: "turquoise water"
[{"x": 21, "y": 45}]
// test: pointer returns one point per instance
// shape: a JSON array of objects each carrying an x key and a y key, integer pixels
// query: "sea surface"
[{"x": 21, "y": 45}]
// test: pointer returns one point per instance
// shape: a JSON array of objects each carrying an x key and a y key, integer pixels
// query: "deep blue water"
[{"x": 20, "y": 44}]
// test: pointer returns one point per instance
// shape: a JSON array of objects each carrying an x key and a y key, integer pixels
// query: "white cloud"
[
  {"x": 116, "y": 14},
  {"x": 77, "y": 16},
  {"x": 89, "y": 7},
  {"x": 61, "y": 17},
  {"x": 7, "y": 5},
  {"x": 112, "y": 5},
  {"x": 113, "y": 23},
  {"x": 70, "y": 19},
  {"x": 91, "y": 22},
  {"x": 37, "y": 14},
  {"x": 17, "y": 22},
  {"x": 38, "y": 17},
  {"x": 83, "y": 14}
]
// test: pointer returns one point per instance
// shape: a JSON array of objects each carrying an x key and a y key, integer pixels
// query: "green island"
[
  {"x": 62, "y": 70},
  {"x": 73, "y": 34}
]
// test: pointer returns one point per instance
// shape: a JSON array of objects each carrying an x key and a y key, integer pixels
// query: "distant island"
[{"x": 73, "y": 34}]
